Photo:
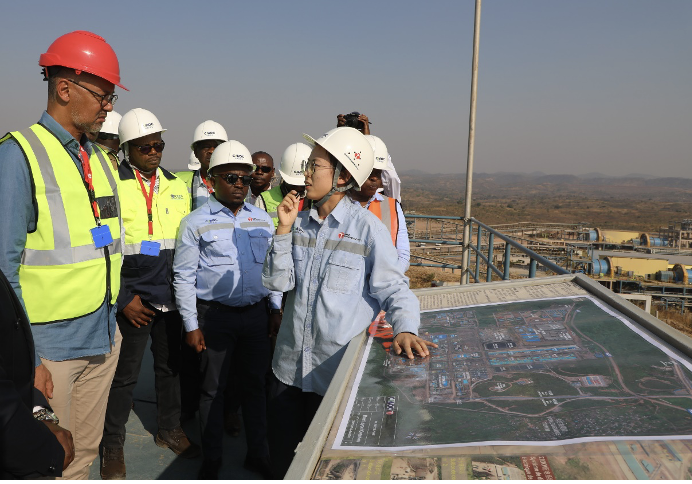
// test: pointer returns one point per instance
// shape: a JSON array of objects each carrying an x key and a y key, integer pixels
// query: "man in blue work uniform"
[
  {"x": 339, "y": 266},
  {"x": 218, "y": 264}
]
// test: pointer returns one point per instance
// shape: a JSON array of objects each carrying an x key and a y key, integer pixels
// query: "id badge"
[
  {"x": 102, "y": 236},
  {"x": 150, "y": 248}
]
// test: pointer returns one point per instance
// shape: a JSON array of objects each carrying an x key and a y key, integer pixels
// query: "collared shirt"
[
  {"x": 391, "y": 182},
  {"x": 403, "y": 247},
  {"x": 340, "y": 271},
  {"x": 200, "y": 192},
  {"x": 89, "y": 335},
  {"x": 251, "y": 198},
  {"x": 219, "y": 256}
]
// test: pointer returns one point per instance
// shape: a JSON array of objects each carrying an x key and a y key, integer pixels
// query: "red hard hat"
[{"x": 84, "y": 51}]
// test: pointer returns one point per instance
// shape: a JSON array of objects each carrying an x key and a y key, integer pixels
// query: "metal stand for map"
[{"x": 553, "y": 377}]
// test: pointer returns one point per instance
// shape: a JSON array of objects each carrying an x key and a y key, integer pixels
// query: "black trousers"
[
  {"x": 291, "y": 411},
  {"x": 243, "y": 332},
  {"x": 165, "y": 331}
]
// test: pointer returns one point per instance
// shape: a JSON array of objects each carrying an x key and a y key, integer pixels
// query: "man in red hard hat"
[{"x": 60, "y": 238}]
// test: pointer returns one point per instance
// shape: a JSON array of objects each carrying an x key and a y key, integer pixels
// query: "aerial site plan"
[
  {"x": 538, "y": 371},
  {"x": 553, "y": 384}
]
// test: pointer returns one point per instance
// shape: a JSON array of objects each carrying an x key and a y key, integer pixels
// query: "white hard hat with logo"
[
  {"x": 194, "y": 163},
  {"x": 231, "y": 151},
  {"x": 380, "y": 152},
  {"x": 209, "y": 130},
  {"x": 293, "y": 163},
  {"x": 353, "y": 151},
  {"x": 351, "y": 148},
  {"x": 137, "y": 123},
  {"x": 110, "y": 125}
]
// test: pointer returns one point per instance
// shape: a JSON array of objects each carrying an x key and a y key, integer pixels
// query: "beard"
[{"x": 84, "y": 125}]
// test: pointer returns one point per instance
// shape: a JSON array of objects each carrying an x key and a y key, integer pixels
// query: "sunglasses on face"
[
  {"x": 144, "y": 149},
  {"x": 263, "y": 169},
  {"x": 232, "y": 179}
]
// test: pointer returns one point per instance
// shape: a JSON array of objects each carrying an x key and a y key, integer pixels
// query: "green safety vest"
[
  {"x": 272, "y": 198},
  {"x": 169, "y": 206},
  {"x": 186, "y": 176},
  {"x": 62, "y": 275}
]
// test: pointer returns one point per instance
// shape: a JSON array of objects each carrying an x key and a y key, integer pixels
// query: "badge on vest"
[
  {"x": 102, "y": 236},
  {"x": 150, "y": 248}
]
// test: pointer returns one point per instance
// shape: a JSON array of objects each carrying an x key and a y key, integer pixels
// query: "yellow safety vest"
[
  {"x": 62, "y": 274},
  {"x": 169, "y": 206}
]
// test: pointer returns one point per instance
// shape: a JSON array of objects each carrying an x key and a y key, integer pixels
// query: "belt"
[{"x": 230, "y": 309}]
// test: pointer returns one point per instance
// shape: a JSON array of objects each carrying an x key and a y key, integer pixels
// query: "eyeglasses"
[
  {"x": 310, "y": 167},
  {"x": 104, "y": 99},
  {"x": 232, "y": 179},
  {"x": 144, "y": 149},
  {"x": 263, "y": 169}
]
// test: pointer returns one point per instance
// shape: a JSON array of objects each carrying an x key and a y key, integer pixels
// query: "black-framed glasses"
[
  {"x": 310, "y": 167},
  {"x": 232, "y": 179},
  {"x": 144, "y": 149},
  {"x": 263, "y": 169},
  {"x": 104, "y": 99}
]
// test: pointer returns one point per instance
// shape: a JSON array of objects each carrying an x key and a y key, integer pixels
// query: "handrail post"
[
  {"x": 471, "y": 144},
  {"x": 508, "y": 250},
  {"x": 478, "y": 252},
  {"x": 532, "y": 269},
  {"x": 491, "y": 249}
]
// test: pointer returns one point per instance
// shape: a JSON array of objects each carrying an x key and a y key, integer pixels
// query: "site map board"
[{"x": 553, "y": 378}]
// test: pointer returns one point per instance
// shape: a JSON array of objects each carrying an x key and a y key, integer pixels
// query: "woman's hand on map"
[{"x": 409, "y": 342}]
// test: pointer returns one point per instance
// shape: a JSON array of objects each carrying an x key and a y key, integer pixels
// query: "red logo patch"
[
  {"x": 357, "y": 155},
  {"x": 341, "y": 235}
]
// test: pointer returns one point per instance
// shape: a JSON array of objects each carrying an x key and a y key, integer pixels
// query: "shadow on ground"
[{"x": 145, "y": 460}]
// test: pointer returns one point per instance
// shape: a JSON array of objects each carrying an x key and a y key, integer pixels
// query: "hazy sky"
[{"x": 564, "y": 87}]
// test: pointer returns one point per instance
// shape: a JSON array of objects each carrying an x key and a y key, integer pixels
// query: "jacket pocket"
[
  {"x": 343, "y": 272},
  {"x": 217, "y": 248},
  {"x": 259, "y": 242}
]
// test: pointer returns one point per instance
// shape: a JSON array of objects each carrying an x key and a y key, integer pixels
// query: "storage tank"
[{"x": 682, "y": 274}]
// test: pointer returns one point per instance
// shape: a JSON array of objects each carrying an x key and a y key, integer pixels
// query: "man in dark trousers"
[{"x": 29, "y": 448}]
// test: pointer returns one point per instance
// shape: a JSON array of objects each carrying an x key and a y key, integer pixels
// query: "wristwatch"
[
  {"x": 46, "y": 415},
  {"x": 275, "y": 311}
]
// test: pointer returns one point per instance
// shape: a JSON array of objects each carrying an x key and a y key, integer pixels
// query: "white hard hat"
[
  {"x": 231, "y": 151},
  {"x": 351, "y": 148},
  {"x": 194, "y": 163},
  {"x": 137, "y": 123},
  {"x": 110, "y": 125},
  {"x": 209, "y": 130},
  {"x": 293, "y": 163},
  {"x": 380, "y": 151}
]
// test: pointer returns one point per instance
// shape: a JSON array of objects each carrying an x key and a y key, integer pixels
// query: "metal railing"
[{"x": 486, "y": 239}]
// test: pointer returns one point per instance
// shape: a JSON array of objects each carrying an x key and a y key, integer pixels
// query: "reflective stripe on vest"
[
  {"x": 387, "y": 213},
  {"x": 272, "y": 199},
  {"x": 62, "y": 275}
]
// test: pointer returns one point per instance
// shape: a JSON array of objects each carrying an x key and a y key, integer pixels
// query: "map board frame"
[{"x": 309, "y": 451}]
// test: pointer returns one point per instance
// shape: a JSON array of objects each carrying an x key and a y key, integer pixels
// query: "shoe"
[
  {"x": 113, "y": 463},
  {"x": 231, "y": 424},
  {"x": 209, "y": 470},
  {"x": 177, "y": 441},
  {"x": 261, "y": 465}
]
